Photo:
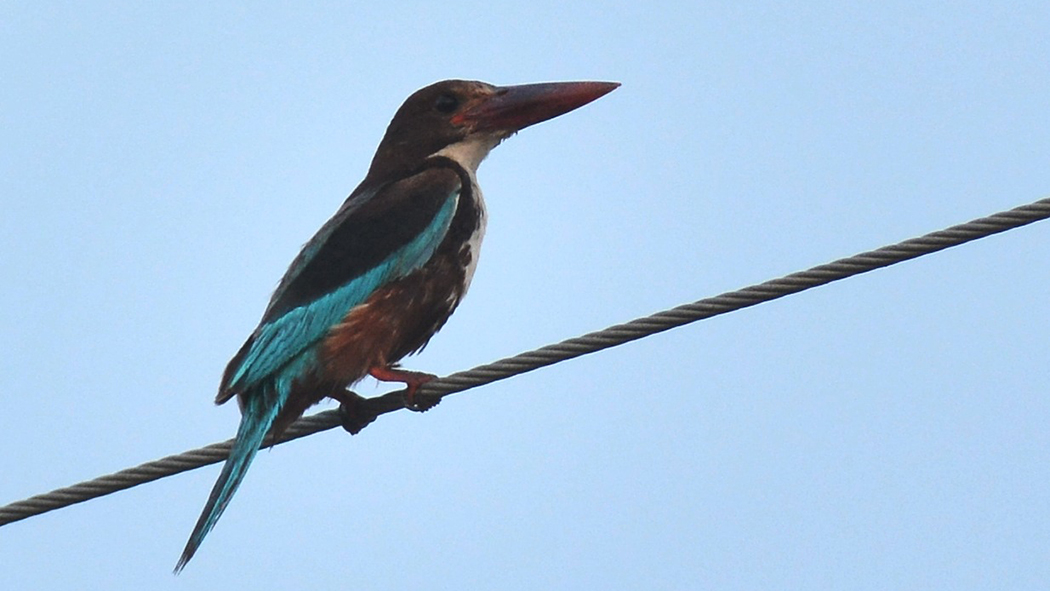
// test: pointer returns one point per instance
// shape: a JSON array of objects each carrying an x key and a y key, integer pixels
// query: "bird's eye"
[{"x": 446, "y": 103}]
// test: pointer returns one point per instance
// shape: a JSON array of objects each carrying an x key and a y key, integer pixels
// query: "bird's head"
[{"x": 465, "y": 119}]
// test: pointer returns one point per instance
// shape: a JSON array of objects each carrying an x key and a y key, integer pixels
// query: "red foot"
[{"x": 412, "y": 380}]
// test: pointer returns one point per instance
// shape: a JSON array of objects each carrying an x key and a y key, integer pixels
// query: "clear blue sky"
[{"x": 161, "y": 164}]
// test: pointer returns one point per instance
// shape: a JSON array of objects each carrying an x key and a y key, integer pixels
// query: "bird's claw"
[
  {"x": 412, "y": 380},
  {"x": 420, "y": 402},
  {"x": 357, "y": 412},
  {"x": 353, "y": 414}
]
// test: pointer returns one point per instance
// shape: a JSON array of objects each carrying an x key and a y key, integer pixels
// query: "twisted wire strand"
[{"x": 554, "y": 353}]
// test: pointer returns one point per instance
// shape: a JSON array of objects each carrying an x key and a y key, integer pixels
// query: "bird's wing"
[{"x": 375, "y": 237}]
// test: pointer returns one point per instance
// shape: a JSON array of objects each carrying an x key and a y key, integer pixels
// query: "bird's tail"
[{"x": 257, "y": 417}]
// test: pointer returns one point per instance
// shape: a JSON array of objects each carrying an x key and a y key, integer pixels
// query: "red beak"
[{"x": 512, "y": 108}]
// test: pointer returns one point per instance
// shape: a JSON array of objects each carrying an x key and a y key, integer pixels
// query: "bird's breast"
[{"x": 471, "y": 249}]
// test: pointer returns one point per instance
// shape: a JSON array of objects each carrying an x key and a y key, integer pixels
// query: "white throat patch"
[{"x": 469, "y": 152}]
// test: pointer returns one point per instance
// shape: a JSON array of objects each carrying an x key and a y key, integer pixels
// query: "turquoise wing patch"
[{"x": 282, "y": 340}]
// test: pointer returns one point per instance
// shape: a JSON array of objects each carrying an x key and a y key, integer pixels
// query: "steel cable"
[{"x": 550, "y": 354}]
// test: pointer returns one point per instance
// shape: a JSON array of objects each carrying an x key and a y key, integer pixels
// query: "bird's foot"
[
  {"x": 420, "y": 402},
  {"x": 354, "y": 411},
  {"x": 412, "y": 381}
]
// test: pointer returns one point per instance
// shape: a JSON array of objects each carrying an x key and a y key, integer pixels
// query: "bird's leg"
[{"x": 412, "y": 380}]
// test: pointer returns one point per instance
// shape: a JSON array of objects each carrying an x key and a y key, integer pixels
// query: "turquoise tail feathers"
[{"x": 257, "y": 417}]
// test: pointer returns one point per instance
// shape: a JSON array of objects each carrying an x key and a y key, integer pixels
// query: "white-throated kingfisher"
[{"x": 385, "y": 273}]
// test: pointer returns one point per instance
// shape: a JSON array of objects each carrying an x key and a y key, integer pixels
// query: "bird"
[{"x": 384, "y": 274}]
